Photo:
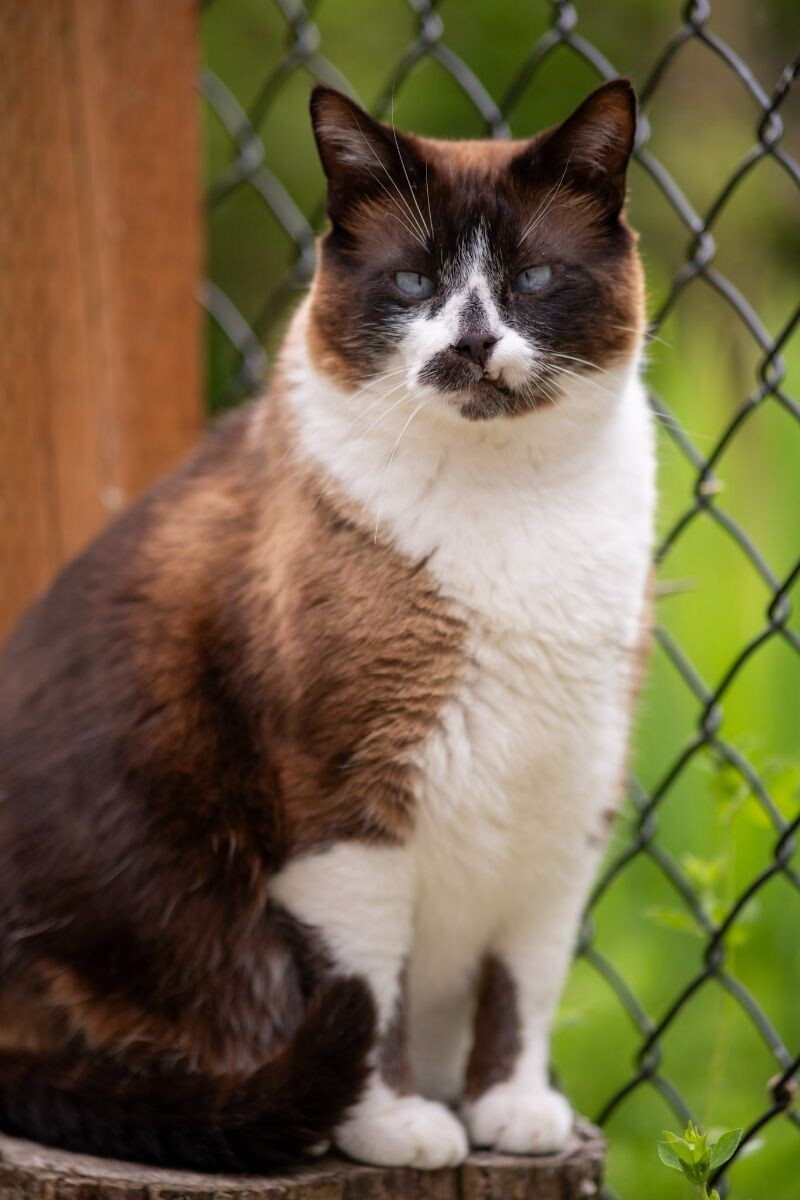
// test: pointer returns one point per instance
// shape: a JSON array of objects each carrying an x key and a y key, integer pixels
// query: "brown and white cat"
[{"x": 305, "y": 763}]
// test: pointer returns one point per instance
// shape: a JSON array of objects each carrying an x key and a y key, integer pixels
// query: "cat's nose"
[{"x": 477, "y": 348}]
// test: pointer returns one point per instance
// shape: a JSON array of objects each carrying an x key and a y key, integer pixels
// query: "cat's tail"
[{"x": 185, "y": 1119}]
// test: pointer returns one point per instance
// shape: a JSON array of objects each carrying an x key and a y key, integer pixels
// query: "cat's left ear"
[{"x": 591, "y": 149}]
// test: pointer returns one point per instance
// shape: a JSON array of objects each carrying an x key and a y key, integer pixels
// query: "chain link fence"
[{"x": 703, "y": 497}]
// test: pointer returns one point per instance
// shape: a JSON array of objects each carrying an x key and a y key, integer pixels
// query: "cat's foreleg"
[
  {"x": 508, "y": 1101},
  {"x": 358, "y": 899}
]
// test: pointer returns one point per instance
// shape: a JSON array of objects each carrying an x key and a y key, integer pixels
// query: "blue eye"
[
  {"x": 413, "y": 285},
  {"x": 533, "y": 279}
]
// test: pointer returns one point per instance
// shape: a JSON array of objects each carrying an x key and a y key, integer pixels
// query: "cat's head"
[{"x": 492, "y": 271}]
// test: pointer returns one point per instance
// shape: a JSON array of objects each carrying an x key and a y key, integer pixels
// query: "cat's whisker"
[
  {"x": 428, "y": 193},
  {"x": 416, "y": 232},
  {"x": 346, "y": 400},
  {"x": 390, "y": 459},
  {"x": 671, "y": 422},
  {"x": 428, "y": 232},
  {"x": 554, "y": 367},
  {"x": 420, "y": 229},
  {"x": 302, "y": 466},
  {"x": 395, "y": 404},
  {"x": 376, "y": 379},
  {"x": 544, "y": 208},
  {"x": 649, "y": 335},
  {"x": 418, "y": 237},
  {"x": 422, "y": 244},
  {"x": 584, "y": 362}
]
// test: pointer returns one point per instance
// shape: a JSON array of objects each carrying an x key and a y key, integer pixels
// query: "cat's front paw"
[
  {"x": 518, "y": 1120},
  {"x": 405, "y": 1131}
]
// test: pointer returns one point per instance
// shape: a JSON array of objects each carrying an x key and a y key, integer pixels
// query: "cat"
[{"x": 306, "y": 763}]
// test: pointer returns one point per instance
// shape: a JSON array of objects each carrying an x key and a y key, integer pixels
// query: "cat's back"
[
  {"x": 81, "y": 662},
  {"x": 90, "y": 598}
]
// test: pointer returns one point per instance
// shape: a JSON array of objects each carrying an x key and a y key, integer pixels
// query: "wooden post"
[
  {"x": 36, "y": 1173},
  {"x": 100, "y": 257}
]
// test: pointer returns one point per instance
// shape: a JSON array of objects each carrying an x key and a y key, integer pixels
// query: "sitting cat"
[{"x": 305, "y": 763}]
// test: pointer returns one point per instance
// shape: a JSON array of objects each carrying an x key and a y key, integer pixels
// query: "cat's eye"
[
  {"x": 414, "y": 285},
  {"x": 533, "y": 279}
]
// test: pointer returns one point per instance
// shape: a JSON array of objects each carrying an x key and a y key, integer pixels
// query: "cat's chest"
[{"x": 549, "y": 579}]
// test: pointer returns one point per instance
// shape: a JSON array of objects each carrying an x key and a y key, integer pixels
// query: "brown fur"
[
  {"x": 497, "y": 1038},
  {"x": 238, "y": 672},
  {"x": 354, "y": 314},
  {"x": 235, "y": 673},
  {"x": 394, "y": 1062}
]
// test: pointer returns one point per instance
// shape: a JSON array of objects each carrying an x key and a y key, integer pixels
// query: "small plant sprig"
[{"x": 696, "y": 1157}]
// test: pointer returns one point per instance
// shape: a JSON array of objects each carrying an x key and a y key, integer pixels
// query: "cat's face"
[{"x": 490, "y": 271}]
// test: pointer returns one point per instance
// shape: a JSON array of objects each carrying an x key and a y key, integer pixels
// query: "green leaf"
[
  {"x": 682, "y": 1149},
  {"x": 703, "y": 873},
  {"x": 725, "y": 1148},
  {"x": 697, "y": 1172},
  {"x": 753, "y": 810},
  {"x": 783, "y": 782},
  {"x": 673, "y": 918},
  {"x": 668, "y": 1156},
  {"x": 729, "y": 788}
]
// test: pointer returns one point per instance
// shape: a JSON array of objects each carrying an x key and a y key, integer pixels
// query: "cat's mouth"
[
  {"x": 469, "y": 388},
  {"x": 489, "y": 387},
  {"x": 484, "y": 399}
]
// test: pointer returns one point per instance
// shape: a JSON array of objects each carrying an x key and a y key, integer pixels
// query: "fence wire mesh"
[{"x": 249, "y": 168}]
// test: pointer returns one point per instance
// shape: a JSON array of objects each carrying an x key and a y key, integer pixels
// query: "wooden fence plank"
[{"x": 100, "y": 258}]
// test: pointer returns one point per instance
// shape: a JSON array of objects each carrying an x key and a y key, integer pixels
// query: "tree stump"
[{"x": 32, "y": 1172}]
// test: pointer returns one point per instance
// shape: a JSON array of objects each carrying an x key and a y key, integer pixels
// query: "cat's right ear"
[{"x": 358, "y": 154}]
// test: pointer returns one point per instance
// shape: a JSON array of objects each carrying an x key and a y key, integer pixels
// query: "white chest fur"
[{"x": 539, "y": 531}]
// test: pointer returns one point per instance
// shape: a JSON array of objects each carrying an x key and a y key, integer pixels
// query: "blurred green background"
[{"x": 704, "y": 364}]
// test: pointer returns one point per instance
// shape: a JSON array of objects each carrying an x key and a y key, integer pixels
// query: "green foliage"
[{"x": 696, "y": 1157}]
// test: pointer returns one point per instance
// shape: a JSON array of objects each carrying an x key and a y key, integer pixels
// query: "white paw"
[
  {"x": 519, "y": 1120},
  {"x": 404, "y": 1131}
]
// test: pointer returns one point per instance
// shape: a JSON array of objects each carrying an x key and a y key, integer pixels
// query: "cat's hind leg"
[{"x": 358, "y": 900}]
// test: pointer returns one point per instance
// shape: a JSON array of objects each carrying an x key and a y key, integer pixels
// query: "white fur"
[
  {"x": 538, "y": 530},
  {"x": 512, "y": 358},
  {"x": 402, "y": 1131},
  {"x": 363, "y": 902}
]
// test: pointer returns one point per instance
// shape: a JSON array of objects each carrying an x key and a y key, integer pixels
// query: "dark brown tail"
[{"x": 190, "y": 1120}]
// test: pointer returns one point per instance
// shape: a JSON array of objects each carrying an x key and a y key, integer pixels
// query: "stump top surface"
[{"x": 28, "y": 1170}]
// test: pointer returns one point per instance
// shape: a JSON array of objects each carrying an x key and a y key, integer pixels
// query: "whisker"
[
  {"x": 582, "y": 378},
  {"x": 427, "y": 192},
  {"x": 301, "y": 464},
  {"x": 381, "y": 377},
  {"x": 395, "y": 404},
  {"x": 390, "y": 460},
  {"x": 420, "y": 229},
  {"x": 649, "y": 335},
  {"x": 418, "y": 237},
  {"x": 541, "y": 212},
  {"x": 583, "y": 361},
  {"x": 405, "y": 172}
]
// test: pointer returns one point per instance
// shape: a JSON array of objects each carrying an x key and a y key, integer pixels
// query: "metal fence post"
[{"x": 100, "y": 256}]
